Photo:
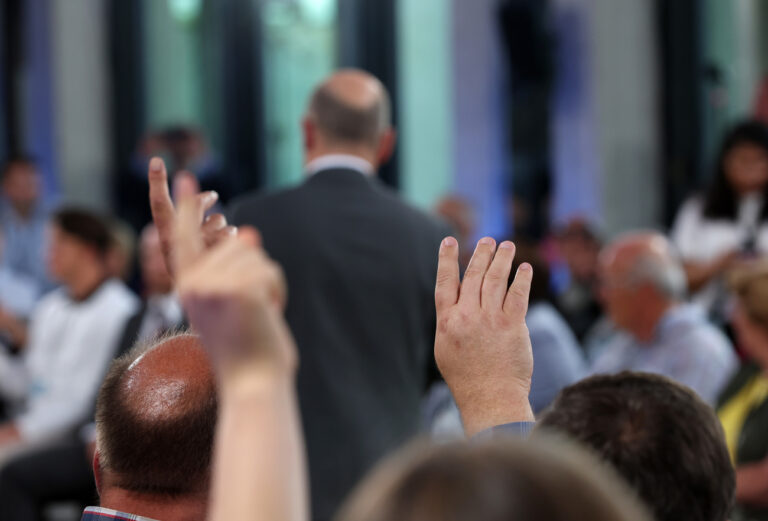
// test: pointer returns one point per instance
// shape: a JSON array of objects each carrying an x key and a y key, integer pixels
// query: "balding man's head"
[
  {"x": 156, "y": 417},
  {"x": 645, "y": 257},
  {"x": 350, "y": 110},
  {"x": 640, "y": 278}
]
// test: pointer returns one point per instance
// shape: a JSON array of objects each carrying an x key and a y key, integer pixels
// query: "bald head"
[
  {"x": 351, "y": 107},
  {"x": 156, "y": 416},
  {"x": 645, "y": 257}
]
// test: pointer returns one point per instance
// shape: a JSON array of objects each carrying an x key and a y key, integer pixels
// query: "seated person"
[
  {"x": 23, "y": 220},
  {"x": 63, "y": 471},
  {"x": 643, "y": 285},
  {"x": 72, "y": 336},
  {"x": 660, "y": 436},
  {"x": 743, "y": 405}
]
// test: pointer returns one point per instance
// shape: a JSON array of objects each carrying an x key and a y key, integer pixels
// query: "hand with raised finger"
[
  {"x": 233, "y": 294},
  {"x": 164, "y": 212},
  {"x": 482, "y": 345}
]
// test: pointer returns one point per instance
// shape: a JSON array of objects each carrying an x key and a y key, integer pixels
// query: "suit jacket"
[{"x": 361, "y": 266}]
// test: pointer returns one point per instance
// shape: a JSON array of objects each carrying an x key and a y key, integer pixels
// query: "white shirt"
[
  {"x": 70, "y": 347},
  {"x": 700, "y": 239},
  {"x": 163, "y": 312},
  {"x": 345, "y": 161}
]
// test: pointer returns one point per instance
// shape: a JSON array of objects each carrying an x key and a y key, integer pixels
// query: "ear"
[
  {"x": 97, "y": 471},
  {"x": 386, "y": 146},
  {"x": 309, "y": 133}
]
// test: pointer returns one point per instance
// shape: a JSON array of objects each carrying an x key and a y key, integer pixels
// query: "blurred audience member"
[
  {"x": 579, "y": 246},
  {"x": 122, "y": 253},
  {"x": 23, "y": 220},
  {"x": 662, "y": 438},
  {"x": 557, "y": 358},
  {"x": 729, "y": 223},
  {"x": 64, "y": 471},
  {"x": 460, "y": 215},
  {"x": 360, "y": 263},
  {"x": 743, "y": 406},
  {"x": 72, "y": 336},
  {"x": 499, "y": 481},
  {"x": 185, "y": 148},
  {"x": 642, "y": 286}
]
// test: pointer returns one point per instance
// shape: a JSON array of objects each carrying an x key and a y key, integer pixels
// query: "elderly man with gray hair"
[{"x": 642, "y": 285}]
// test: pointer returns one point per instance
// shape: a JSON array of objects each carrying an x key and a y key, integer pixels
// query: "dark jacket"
[
  {"x": 753, "y": 439},
  {"x": 361, "y": 266}
]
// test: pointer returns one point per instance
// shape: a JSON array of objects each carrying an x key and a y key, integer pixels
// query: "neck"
[
  {"x": 155, "y": 506},
  {"x": 361, "y": 152},
  {"x": 648, "y": 318},
  {"x": 84, "y": 283}
]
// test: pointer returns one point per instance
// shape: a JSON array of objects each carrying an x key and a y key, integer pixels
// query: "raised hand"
[
  {"x": 212, "y": 229},
  {"x": 233, "y": 294},
  {"x": 482, "y": 346}
]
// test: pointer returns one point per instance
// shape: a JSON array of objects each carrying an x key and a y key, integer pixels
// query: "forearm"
[
  {"x": 16, "y": 330},
  {"x": 752, "y": 484},
  {"x": 259, "y": 466}
]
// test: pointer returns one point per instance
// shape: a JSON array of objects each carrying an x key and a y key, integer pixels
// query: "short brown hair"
[
  {"x": 86, "y": 226},
  {"x": 168, "y": 456},
  {"x": 666, "y": 442},
  {"x": 499, "y": 481}
]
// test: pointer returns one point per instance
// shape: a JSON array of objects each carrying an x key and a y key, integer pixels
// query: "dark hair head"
[
  {"x": 721, "y": 200},
  {"x": 500, "y": 481},
  {"x": 540, "y": 285},
  {"x": 85, "y": 226},
  {"x": 343, "y": 120},
  {"x": 156, "y": 417},
  {"x": 17, "y": 160},
  {"x": 666, "y": 442}
]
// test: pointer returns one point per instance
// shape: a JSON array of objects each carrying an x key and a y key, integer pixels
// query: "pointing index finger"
[
  {"x": 188, "y": 239},
  {"x": 163, "y": 213}
]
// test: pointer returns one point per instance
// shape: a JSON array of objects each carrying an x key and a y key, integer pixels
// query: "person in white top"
[
  {"x": 72, "y": 337},
  {"x": 727, "y": 225}
]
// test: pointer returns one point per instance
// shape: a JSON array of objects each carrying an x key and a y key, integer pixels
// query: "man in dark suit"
[{"x": 360, "y": 265}]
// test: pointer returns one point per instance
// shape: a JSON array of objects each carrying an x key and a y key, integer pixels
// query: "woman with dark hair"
[{"x": 729, "y": 223}]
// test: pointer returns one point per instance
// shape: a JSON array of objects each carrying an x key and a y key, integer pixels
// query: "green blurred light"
[
  {"x": 321, "y": 12},
  {"x": 185, "y": 11}
]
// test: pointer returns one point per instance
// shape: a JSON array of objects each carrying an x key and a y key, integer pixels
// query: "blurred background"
[{"x": 610, "y": 110}]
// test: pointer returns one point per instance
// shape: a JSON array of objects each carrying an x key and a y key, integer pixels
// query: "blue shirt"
[
  {"x": 685, "y": 347},
  {"x": 24, "y": 243},
  {"x": 97, "y": 513},
  {"x": 557, "y": 358}
]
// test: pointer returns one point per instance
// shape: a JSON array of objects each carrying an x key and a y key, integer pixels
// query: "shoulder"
[
  {"x": 245, "y": 208},
  {"x": 691, "y": 210},
  {"x": 117, "y": 296}
]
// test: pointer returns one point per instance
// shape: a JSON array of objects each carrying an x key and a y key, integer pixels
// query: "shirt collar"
[
  {"x": 339, "y": 161},
  {"x": 96, "y": 513}
]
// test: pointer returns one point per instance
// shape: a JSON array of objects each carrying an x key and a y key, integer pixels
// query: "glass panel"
[{"x": 299, "y": 50}]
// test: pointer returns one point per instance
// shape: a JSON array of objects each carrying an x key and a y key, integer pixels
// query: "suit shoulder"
[
  {"x": 412, "y": 214},
  {"x": 244, "y": 208}
]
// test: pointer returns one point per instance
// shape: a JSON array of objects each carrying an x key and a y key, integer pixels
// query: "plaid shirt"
[{"x": 105, "y": 514}]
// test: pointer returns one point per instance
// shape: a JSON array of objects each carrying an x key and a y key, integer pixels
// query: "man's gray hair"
[
  {"x": 349, "y": 124},
  {"x": 665, "y": 274}
]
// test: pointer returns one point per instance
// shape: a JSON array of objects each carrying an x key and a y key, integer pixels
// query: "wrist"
[
  {"x": 481, "y": 412},
  {"x": 254, "y": 379}
]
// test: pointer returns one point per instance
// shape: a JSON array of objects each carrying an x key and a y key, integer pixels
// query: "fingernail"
[
  {"x": 156, "y": 164},
  {"x": 486, "y": 240},
  {"x": 213, "y": 196},
  {"x": 449, "y": 241},
  {"x": 507, "y": 245},
  {"x": 233, "y": 231},
  {"x": 525, "y": 267}
]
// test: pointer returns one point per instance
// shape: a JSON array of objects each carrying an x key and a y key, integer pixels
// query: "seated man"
[
  {"x": 642, "y": 286},
  {"x": 661, "y": 437},
  {"x": 155, "y": 461},
  {"x": 72, "y": 337},
  {"x": 23, "y": 219}
]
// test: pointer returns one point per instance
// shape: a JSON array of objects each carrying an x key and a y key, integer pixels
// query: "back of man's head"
[
  {"x": 658, "y": 434},
  {"x": 351, "y": 108},
  {"x": 155, "y": 419}
]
